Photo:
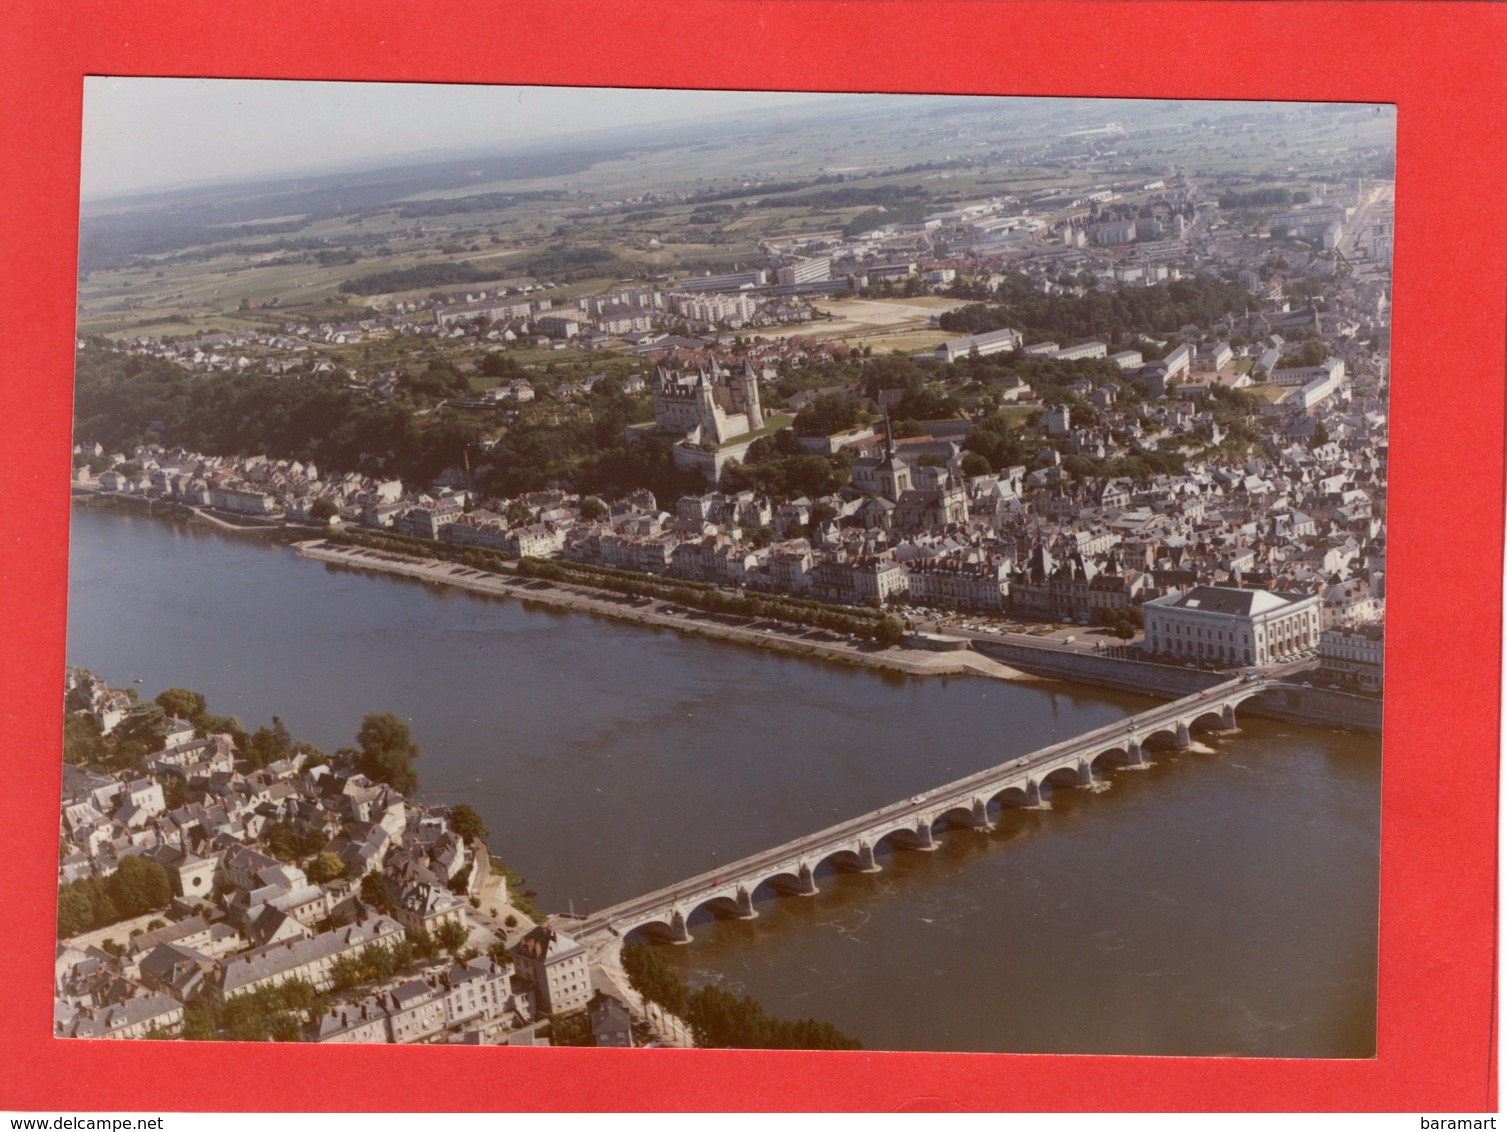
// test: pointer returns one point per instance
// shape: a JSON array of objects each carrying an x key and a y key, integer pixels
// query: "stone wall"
[
  {"x": 1105, "y": 671},
  {"x": 1294, "y": 703},
  {"x": 1320, "y": 706}
]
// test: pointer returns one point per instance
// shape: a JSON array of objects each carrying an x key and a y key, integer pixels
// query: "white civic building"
[{"x": 1228, "y": 625}]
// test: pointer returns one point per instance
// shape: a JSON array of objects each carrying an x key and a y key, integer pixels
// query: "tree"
[
  {"x": 388, "y": 751},
  {"x": 974, "y": 465},
  {"x": 325, "y": 867},
  {"x": 1312, "y": 352},
  {"x": 466, "y": 822},
  {"x": 829, "y": 413},
  {"x": 139, "y": 885},
  {"x": 312, "y": 755},
  {"x": 889, "y": 632},
  {"x": 265, "y": 747},
  {"x": 373, "y": 891},
  {"x": 651, "y": 977},
  {"x": 450, "y": 935},
  {"x": 75, "y": 912},
  {"x": 995, "y": 440},
  {"x": 174, "y": 791},
  {"x": 518, "y": 514},
  {"x": 593, "y": 510},
  {"x": 182, "y": 703},
  {"x": 208, "y": 724},
  {"x": 323, "y": 509}
]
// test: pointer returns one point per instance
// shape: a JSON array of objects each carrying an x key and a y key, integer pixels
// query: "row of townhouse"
[
  {"x": 308, "y": 959},
  {"x": 475, "y": 995}
]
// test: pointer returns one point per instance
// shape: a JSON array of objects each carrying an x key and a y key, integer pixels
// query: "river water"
[{"x": 1222, "y": 902}]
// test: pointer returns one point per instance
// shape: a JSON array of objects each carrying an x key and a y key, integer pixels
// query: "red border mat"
[{"x": 1441, "y": 64}]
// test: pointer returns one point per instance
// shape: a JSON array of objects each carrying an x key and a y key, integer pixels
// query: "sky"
[{"x": 143, "y": 133}]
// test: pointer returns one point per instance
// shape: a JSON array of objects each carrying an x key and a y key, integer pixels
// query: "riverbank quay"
[
  {"x": 767, "y": 634},
  {"x": 940, "y": 654},
  {"x": 275, "y": 530},
  {"x": 1005, "y": 660},
  {"x": 1291, "y": 700}
]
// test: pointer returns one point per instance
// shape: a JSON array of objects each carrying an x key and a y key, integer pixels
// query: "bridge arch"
[
  {"x": 794, "y": 877},
  {"x": 1211, "y": 720},
  {"x": 1071, "y": 774},
  {"x": 735, "y": 905},
  {"x": 1119, "y": 755},
  {"x": 1160, "y": 738},
  {"x": 908, "y": 836},
  {"x": 1016, "y": 794},
  {"x": 657, "y": 926},
  {"x": 857, "y": 858}
]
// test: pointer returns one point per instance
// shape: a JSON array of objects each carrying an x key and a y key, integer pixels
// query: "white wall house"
[{"x": 1227, "y": 625}]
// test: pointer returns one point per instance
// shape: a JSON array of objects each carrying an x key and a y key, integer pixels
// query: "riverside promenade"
[{"x": 761, "y": 633}]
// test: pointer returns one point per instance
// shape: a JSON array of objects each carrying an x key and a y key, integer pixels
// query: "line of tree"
[
  {"x": 422, "y": 275},
  {"x": 136, "y": 887},
  {"x": 122, "y": 401},
  {"x": 481, "y": 202},
  {"x": 563, "y": 263},
  {"x": 1261, "y": 198},
  {"x": 850, "y": 195},
  {"x": 478, "y": 558},
  {"x": 1110, "y": 316},
  {"x": 870, "y": 624},
  {"x": 776, "y": 466},
  {"x": 720, "y": 1020},
  {"x": 268, "y": 1014}
]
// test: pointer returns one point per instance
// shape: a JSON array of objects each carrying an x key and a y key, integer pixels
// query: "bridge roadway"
[{"x": 850, "y": 844}]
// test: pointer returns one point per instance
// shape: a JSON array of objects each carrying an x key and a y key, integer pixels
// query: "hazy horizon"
[{"x": 135, "y": 130}]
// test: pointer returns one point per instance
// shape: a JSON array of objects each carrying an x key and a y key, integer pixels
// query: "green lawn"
[{"x": 772, "y": 425}]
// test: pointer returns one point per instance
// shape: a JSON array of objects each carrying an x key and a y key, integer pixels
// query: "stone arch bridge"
[{"x": 912, "y": 824}]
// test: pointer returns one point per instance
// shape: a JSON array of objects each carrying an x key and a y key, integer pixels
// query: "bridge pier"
[
  {"x": 924, "y": 839},
  {"x": 866, "y": 862},
  {"x": 1135, "y": 754},
  {"x": 1227, "y": 717},
  {"x": 746, "y": 910},
  {"x": 806, "y": 881},
  {"x": 979, "y": 819},
  {"x": 679, "y": 933},
  {"x": 1032, "y": 790},
  {"x": 1183, "y": 739}
]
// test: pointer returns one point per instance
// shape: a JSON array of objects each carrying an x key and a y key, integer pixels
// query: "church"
[{"x": 906, "y": 499}]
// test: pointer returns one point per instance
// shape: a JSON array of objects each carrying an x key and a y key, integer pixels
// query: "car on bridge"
[{"x": 917, "y": 799}]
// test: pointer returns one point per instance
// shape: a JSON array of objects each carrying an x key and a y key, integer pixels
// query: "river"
[{"x": 1222, "y": 902}]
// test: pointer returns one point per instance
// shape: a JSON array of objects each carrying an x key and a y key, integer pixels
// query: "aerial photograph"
[{"x": 675, "y": 568}]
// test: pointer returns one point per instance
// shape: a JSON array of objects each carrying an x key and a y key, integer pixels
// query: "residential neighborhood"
[{"x": 400, "y": 923}]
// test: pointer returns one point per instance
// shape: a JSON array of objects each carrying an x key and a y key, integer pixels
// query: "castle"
[{"x": 707, "y": 407}]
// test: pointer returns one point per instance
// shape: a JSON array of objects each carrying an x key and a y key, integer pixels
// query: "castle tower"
[
  {"x": 750, "y": 390},
  {"x": 706, "y": 403}
]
